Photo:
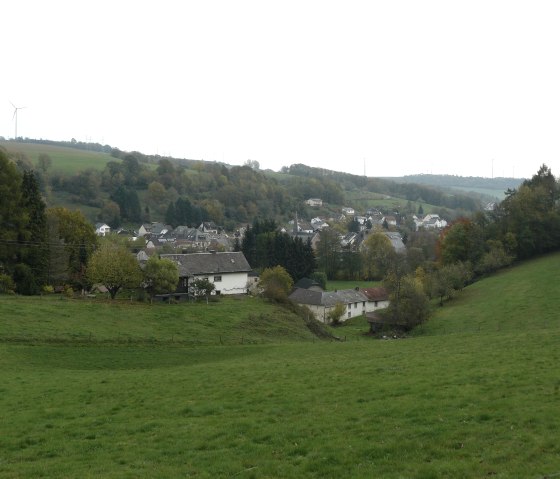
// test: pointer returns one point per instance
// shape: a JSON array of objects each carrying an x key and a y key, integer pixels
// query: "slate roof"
[
  {"x": 327, "y": 298},
  {"x": 209, "y": 263}
]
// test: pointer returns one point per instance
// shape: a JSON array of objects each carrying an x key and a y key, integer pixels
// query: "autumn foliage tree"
[
  {"x": 114, "y": 267},
  {"x": 276, "y": 283},
  {"x": 160, "y": 276}
]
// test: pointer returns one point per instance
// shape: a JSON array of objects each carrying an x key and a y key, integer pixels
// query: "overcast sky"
[{"x": 469, "y": 88}]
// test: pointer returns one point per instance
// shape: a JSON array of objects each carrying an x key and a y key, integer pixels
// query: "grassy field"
[
  {"x": 54, "y": 319},
  {"x": 64, "y": 159},
  {"x": 452, "y": 401}
]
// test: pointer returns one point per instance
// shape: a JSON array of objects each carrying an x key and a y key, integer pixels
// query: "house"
[
  {"x": 348, "y": 211},
  {"x": 102, "y": 229},
  {"x": 321, "y": 303},
  {"x": 314, "y": 202},
  {"x": 349, "y": 239},
  {"x": 390, "y": 220},
  {"x": 209, "y": 227},
  {"x": 318, "y": 224},
  {"x": 378, "y": 298},
  {"x": 396, "y": 241},
  {"x": 227, "y": 271},
  {"x": 431, "y": 221},
  {"x": 153, "y": 228}
]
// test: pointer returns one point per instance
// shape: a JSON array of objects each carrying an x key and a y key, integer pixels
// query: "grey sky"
[{"x": 402, "y": 86}]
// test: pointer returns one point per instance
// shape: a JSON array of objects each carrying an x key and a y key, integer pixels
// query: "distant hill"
[
  {"x": 67, "y": 159},
  {"x": 495, "y": 187},
  {"x": 87, "y": 175}
]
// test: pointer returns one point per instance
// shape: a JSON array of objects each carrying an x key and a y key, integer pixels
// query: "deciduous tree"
[
  {"x": 160, "y": 276},
  {"x": 276, "y": 283},
  {"x": 114, "y": 267}
]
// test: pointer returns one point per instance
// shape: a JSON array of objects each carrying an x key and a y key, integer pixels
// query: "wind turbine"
[{"x": 16, "y": 108}]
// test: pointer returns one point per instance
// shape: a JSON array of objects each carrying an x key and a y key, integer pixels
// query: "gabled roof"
[
  {"x": 376, "y": 294},
  {"x": 327, "y": 298},
  {"x": 209, "y": 263}
]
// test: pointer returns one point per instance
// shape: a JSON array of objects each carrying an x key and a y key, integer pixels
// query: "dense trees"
[
  {"x": 70, "y": 231},
  {"x": 265, "y": 247},
  {"x": 12, "y": 217}
]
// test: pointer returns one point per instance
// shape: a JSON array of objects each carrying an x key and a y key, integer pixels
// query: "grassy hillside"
[
  {"x": 476, "y": 394},
  {"x": 229, "y": 321},
  {"x": 64, "y": 159},
  {"x": 518, "y": 300}
]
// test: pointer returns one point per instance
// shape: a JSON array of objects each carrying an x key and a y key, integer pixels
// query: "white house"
[
  {"x": 321, "y": 303},
  {"x": 227, "y": 271},
  {"x": 378, "y": 298},
  {"x": 314, "y": 202},
  {"x": 102, "y": 229},
  {"x": 431, "y": 221},
  {"x": 348, "y": 211}
]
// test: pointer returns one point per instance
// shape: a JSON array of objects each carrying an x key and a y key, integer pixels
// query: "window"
[
  {"x": 349, "y": 314},
  {"x": 217, "y": 279},
  {"x": 355, "y": 305}
]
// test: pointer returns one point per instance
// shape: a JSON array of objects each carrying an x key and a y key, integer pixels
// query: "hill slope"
[
  {"x": 65, "y": 160},
  {"x": 518, "y": 299},
  {"x": 229, "y": 194},
  {"x": 451, "y": 402},
  {"x": 229, "y": 321}
]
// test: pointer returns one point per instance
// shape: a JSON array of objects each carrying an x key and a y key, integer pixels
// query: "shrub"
[{"x": 7, "y": 284}]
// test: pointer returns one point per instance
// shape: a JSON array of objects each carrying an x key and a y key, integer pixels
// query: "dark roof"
[
  {"x": 307, "y": 296},
  {"x": 327, "y": 298},
  {"x": 376, "y": 294},
  {"x": 209, "y": 263}
]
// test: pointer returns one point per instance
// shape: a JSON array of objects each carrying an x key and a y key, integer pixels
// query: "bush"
[
  {"x": 47, "y": 289},
  {"x": 276, "y": 283},
  {"x": 7, "y": 284}
]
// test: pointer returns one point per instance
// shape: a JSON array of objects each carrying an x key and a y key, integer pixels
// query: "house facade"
[
  {"x": 102, "y": 229},
  {"x": 314, "y": 202},
  {"x": 378, "y": 298},
  {"x": 321, "y": 303},
  {"x": 228, "y": 272}
]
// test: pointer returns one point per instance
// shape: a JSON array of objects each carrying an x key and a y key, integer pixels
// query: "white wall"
[{"x": 231, "y": 283}]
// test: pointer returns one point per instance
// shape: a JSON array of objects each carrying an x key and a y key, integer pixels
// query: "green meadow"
[
  {"x": 90, "y": 388},
  {"x": 64, "y": 159}
]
